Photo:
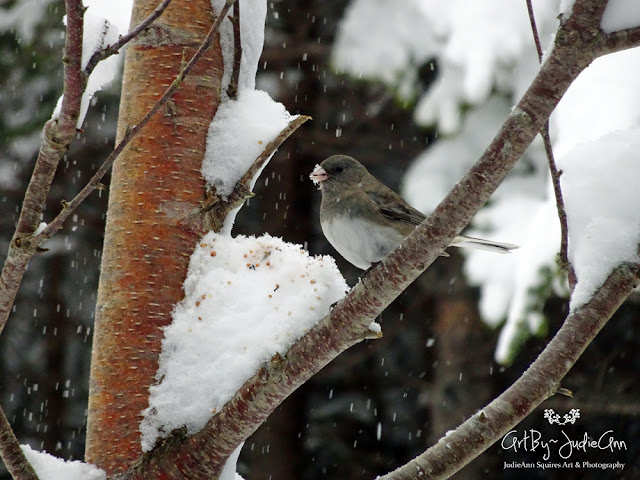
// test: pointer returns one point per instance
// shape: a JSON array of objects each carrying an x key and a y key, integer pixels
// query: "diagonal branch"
[
  {"x": 257, "y": 166},
  {"x": 214, "y": 210},
  {"x": 109, "y": 50},
  {"x": 12, "y": 455},
  {"x": 539, "y": 382}
]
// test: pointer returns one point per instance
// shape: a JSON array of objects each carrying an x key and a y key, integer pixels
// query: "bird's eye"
[{"x": 339, "y": 169}]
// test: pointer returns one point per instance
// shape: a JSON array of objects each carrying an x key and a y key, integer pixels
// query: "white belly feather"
[{"x": 359, "y": 241}]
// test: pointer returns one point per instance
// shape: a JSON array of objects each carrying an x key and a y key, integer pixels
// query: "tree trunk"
[{"x": 156, "y": 184}]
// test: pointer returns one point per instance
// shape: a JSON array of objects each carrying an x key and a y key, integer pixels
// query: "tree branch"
[
  {"x": 214, "y": 210},
  {"x": 534, "y": 30},
  {"x": 257, "y": 166},
  {"x": 109, "y": 50},
  {"x": 540, "y": 381},
  {"x": 57, "y": 135},
  {"x": 232, "y": 89},
  {"x": 12, "y": 455},
  {"x": 620, "y": 40}
]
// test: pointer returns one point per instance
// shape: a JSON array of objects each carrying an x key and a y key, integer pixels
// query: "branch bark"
[{"x": 12, "y": 455}]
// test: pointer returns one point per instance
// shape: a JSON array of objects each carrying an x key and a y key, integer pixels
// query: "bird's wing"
[{"x": 393, "y": 206}]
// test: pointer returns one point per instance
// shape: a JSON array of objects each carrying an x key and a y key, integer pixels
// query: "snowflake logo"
[{"x": 570, "y": 417}]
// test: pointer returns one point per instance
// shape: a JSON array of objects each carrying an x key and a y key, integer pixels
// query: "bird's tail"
[{"x": 481, "y": 244}]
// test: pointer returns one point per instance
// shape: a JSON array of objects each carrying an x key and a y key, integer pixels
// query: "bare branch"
[
  {"x": 621, "y": 40},
  {"x": 534, "y": 30},
  {"x": 215, "y": 209},
  {"x": 555, "y": 174},
  {"x": 538, "y": 383},
  {"x": 57, "y": 135},
  {"x": 75, "y": 80},
  {"x": 563, "y": 258},
  {"x": 109, "y": 50},
  {"x": 232, "y": 89},
  {"x": 59, "y": 132},
  {"x": 12, "y": 455},
  {"x": 271, "y": 147}
]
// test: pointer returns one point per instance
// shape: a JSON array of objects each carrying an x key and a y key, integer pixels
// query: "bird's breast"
[{"x": 359, "y": 241}]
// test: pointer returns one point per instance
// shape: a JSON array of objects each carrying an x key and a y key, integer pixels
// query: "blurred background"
[{"x": 415, "y": 92}]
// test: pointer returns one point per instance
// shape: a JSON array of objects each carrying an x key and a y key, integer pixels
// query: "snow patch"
[
  {"x": 212, "y": 347},
  {"x": 238, "y": 134},
  {"x": 252, "y": 17},
  {"x": 600, "y": 187},
  {"x": 49, "y": 467},
  {"x": 619, "y": 15}
]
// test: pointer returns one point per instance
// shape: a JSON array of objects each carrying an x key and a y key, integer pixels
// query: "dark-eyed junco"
[{"x": 364, "y": 220}]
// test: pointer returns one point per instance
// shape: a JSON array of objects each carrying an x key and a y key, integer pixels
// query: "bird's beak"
[{"x": 318, "y": 175}]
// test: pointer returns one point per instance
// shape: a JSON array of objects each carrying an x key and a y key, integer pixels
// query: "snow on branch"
[
  {"x": 601, "y": 193},
  {"x": 231, "y": 167},
  {"x": 212, "y": 347}
]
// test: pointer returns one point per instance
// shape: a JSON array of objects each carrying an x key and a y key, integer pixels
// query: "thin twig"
[
  {"x": 12, "y": 455},
  {"x": 272, "y": 146},
  {"x": 563, "y": 258},
  {"x": 109, "y": 50},
  {"x": 534, "y": 30},
  {"x": 69, "y": 207},
  {"x": 234, "y": 82},
  {"x": 213, "y": 213}
]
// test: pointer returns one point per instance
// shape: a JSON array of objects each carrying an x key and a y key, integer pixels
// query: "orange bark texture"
[{"x": 156, "y": 183}]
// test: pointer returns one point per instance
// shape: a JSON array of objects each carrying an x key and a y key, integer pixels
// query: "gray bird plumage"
[{"x": 365, "y": 220}]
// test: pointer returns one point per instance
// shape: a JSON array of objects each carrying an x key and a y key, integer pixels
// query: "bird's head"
[{"x": 338, "y": 169}]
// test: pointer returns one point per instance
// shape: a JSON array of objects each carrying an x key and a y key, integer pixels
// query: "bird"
[{"x": 364, "y": 220}]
